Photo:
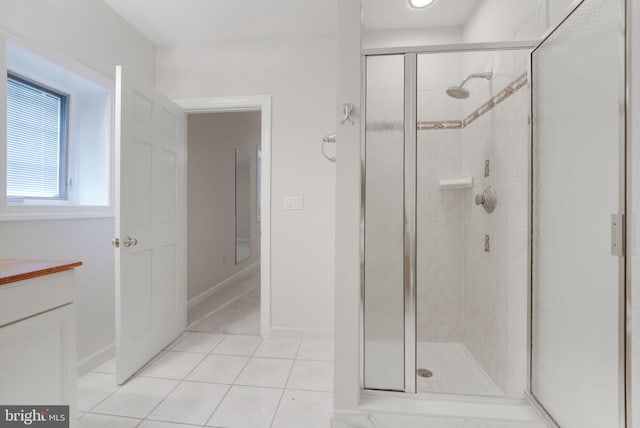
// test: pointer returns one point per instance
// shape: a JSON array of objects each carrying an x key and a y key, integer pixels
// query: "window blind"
[{"x": 36, "y": 152}]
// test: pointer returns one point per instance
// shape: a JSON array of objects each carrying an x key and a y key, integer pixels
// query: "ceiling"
[
  {"x": 175, "y": 22},
  {"x": 395, "y": 14}
]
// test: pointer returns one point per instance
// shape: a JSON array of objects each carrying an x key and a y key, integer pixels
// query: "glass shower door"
[
  {"x": 577, "y": 348},
  {"x": 384, "y": 328}
]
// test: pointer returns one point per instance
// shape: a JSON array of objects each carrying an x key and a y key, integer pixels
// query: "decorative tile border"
[
  {"x": 445, "y": 124},
  {"x": 509, "y": 90}
]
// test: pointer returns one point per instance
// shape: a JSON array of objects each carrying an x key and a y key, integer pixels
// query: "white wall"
[
  {"x": 86, "y": 30},
  {"x": 212, "y": 139},
  {"x": 92, "y": 34},
  {"x": 299, "y": 73},
  {"x": 347, "y": 214},
  {"x": 411, "y": 37},
  {"x": 503, "y": 20}
]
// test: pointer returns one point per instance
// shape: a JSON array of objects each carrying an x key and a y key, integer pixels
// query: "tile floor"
[
  {"x": 216, "y": 380},
  {"x": 455, "y": 370}
]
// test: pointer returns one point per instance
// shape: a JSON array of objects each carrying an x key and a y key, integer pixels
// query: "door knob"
[{"x": 129, "y": 241}]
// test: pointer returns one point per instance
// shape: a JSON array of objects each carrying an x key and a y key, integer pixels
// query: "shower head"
[{"x": 460, "y": 92}]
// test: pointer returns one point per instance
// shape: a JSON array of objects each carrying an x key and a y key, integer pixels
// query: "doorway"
[
  {"x": 228, "y": 214},
  {"x": 223, "y": 222}
]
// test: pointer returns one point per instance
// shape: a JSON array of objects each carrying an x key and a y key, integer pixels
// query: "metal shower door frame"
[{"x": 410, "y": 184}]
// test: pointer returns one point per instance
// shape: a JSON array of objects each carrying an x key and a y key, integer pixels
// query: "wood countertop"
[{"x": 12, "y": 270}]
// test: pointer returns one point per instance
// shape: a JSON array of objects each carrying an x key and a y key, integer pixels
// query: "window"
[
  {"x": 36, "y": 141},
  {"x": 56, "y": 160}
]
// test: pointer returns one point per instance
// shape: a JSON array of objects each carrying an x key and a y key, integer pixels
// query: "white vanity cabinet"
[{"x": 37, "y": 334}]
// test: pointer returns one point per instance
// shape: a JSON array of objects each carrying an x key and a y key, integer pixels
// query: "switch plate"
[{"x": 293, "y": 202}]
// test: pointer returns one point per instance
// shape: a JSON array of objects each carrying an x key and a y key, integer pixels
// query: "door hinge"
[{"x": 617, "y": 235}]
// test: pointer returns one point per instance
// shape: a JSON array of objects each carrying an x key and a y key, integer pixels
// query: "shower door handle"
[{"x": 617, "y": 235}]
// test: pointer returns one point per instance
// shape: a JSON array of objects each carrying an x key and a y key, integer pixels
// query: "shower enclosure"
[
  {"x": 445, "y": 281},
  {"x": 492, "y": 209}
]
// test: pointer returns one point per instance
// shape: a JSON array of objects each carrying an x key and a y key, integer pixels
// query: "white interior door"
[{"x": 150, "y": 223}]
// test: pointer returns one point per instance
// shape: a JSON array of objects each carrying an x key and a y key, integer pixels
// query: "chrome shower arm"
[{"x": 488, "y": 75}]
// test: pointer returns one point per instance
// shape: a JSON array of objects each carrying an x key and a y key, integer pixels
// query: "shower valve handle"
[{"x": 488, "y": 199}]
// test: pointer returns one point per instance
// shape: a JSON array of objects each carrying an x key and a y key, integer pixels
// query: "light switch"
[{"x": 293, "y": 202}]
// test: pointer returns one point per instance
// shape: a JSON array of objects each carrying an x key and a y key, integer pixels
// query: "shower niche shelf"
[{"x": 456, "y": 183}]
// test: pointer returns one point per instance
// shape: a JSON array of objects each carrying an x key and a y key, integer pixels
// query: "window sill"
[{"x": 40, "y": 212}]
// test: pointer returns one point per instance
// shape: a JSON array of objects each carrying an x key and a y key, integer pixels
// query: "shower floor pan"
[{"x": 454, "y": 370}]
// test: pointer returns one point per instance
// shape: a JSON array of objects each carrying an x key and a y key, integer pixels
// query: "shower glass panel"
[
  {"x": 577, "y": 372},
  {"x": 384, "y": 327},
  {"x": 471, "y": 264}
]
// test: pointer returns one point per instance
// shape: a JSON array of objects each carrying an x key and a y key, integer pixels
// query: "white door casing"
[
  {"x": 261, "y": 103},
  {"x": 150, "y": 207}
]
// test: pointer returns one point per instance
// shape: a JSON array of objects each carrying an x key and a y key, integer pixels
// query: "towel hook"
[
  {"x": 329, "y": 138},
  {"x": 347, "y": 111}
]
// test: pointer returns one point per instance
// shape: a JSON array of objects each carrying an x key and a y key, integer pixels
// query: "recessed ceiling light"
[{"x": 420, "y": 4}]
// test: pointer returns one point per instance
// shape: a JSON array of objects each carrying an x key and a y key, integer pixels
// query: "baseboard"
[
  {"x": 96, "y": 359},
  {"x": 300, "y": 333},
  {"x": 248, "y": 271}
]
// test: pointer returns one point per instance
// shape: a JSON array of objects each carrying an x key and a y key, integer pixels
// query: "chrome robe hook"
[{"x": 347, "y": 111}]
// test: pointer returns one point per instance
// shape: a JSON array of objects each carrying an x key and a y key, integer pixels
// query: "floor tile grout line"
[
  {"x": 234, "y": 381},
  {"x": 173, "y": 343},
  {"x": 118, "y": 387},
  {"x": 183, "y": 380},
  {"x": 171, "y": 422},
  {"x": 198, "y": 352},
  {"x": 133, "y": 376},
  {"x": 116, "y": 416},
  {"x": 197, "y": 365},
  {"x": 165, "y": 397},
  {"x": 111, "y": 414},
  {"x": 219, "y": 404},
  {"x": 227, "y": 335},
  {"x": 275, "y": 414}
]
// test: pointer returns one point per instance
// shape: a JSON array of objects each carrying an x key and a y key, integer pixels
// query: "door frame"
[{"x": 261, "y": 103}]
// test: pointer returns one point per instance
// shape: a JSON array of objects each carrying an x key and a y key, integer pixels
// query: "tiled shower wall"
[
  {"x": 440, "y": 239},
  {"x": 495, "y": 279},
  {"x": 466, "y": 294}
]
